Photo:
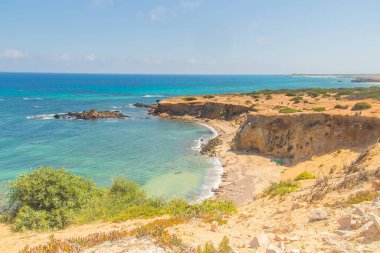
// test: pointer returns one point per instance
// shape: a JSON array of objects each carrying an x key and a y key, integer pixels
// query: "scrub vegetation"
[{"x": 49, "y": 198}]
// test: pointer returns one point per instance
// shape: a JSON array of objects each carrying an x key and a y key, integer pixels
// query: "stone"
[
  {"x": 359, "y": 211},
  {"x": 298, "y": 205},
  {"x": 278, "y": 237},
  {"x": 329, "y": 238},
  {"x": 269, "y": 226},
  {"x": 317, "y": 215},
  {"x": 273, "y": 249},
  {"x": 368, "y": 230},
  {"x": 281, "y": 245},
  {"x": 295, "y": 251},
  {"x": 340, "y": 232},
  {"x": 293, "y": 239},
  {"x": 214, "y": 226},
  {"x": 259, "y": 240},
  {"x": 376, "y": 220},
  {"x": 345, "y": 222}
]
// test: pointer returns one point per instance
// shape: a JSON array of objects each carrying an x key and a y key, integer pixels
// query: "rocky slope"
[
  {"x": 300, "y": 136},
  {"x": 211, "y": 110}
]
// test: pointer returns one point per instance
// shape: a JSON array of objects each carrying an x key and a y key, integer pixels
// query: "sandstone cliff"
[
  {"x": 300, "y": 136},
  {"x": 210, "y": 110}
]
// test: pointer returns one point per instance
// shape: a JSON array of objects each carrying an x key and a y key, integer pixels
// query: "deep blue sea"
[{"x": 161, "y": 155}]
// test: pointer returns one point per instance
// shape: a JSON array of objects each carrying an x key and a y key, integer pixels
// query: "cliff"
[
  {"x": 210, "y": 110},
  {"x": 300, "y": 136}
]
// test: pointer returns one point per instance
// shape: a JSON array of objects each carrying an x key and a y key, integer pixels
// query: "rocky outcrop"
[
  {"x": 300, "y": 136},
  {"x": 92, "y": 114},
  {"x": 152, "y": 107},
  {"x": 210, "y": 110}
]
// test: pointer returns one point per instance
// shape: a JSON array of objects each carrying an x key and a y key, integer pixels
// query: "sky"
[{"x": 190, "y": 36}]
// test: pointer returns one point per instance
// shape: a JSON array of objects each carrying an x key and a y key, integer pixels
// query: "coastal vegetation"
[
  {"x": 280, "y": 188},
  {"x": 49, "y": 198},
  {"x": 356, "y": 93},
  {"x": 288, "y": 110},
  {"x": 319, "y": 109},
  {"x": 304, "y": 175},
  {"x": 361, "y": 106},
  {"x": 189, "y": 98},
  {"x": 342, "y": 107}
]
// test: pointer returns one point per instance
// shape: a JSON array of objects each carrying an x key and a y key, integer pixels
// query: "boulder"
[
  {"x": 298, "y": 205},
  {"x": 273, "y": 249},
  {"x": 214, "y": 226},
  {"x": 345, "y": 222},
  {"x": 259, "y": 240},
  {"x": 376, "y": 220},
  {"x": 317, "y": 215}
]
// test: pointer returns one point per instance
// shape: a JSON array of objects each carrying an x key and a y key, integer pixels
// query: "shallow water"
[{"x": 161, "y": 155}]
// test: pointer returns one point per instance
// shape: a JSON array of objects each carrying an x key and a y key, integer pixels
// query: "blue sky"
[{"x": 190, "y": 36}]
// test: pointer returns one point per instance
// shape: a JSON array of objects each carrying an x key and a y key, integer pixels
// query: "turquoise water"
[{"x": 160, "y": 155}]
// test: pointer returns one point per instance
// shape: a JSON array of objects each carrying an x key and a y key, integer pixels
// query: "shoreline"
[{"x": 242, "y": 176}]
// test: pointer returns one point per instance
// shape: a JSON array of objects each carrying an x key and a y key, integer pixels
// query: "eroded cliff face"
[
  {"x": 300, "y": 136},
  {"x": 203, "y": 110}
]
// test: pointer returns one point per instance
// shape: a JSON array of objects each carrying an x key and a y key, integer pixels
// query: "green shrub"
[
  {"x": 281, "y": 188},
  {"x": 208, "y": 96},
  {"x": 47, "y": 198},
  {"x": 290, "y": 94},
  {"x": 269, "y": 96},
  {"x": 361, "y": 106},
  {"x": 297, "y": 99},
  {"x": 305, "y": 175},
  {"x": 189, "y": 98},
  {"x": 247, "y": 102},
  {"x": 224, "y": 247},
  {"x": 341, "y": 106},
  {"x": 319, "y": 109},
  {"x": 288, "y": 110}
]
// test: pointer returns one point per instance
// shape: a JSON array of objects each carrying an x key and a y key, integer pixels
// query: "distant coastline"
[{"x": 355, "y": 78}]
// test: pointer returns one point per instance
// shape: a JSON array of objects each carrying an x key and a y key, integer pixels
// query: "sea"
[{"x": 161, "y": 155}]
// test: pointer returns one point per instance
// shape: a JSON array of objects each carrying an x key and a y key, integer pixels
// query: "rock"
[
  {"x": 297, "y": 205},
  {"x": 369, "y": 230},
  {"x": 317, "y": 214},
  {"x": 278, "y": 237},
  {"x": 359, "y": 211},
  {"x": 341, "y": 232},
  {"x": 376, "y": 220},
  {"x": 345, "y": 222},
  {"x": 295, "y": 251},
  {"x": 259, "y": 241},
  {"x": 269, "y": 226},
  {"x": 292, "y": 239},
  {"x": 273, "y": 249},
  {"x": 281, "y": 245},
  {"x": 214, "y": 226},
  {"x": 330, "y": 239},
  {"x": 92, "y": 114}
]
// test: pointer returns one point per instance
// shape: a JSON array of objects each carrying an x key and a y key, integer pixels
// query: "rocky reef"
[
  {"x": 91, "y": 114},
  {"x": 300, "y": 136}
]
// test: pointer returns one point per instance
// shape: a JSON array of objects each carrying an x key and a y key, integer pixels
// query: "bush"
[
  {"x": 280, "y": 188},
  {"x": 288, "y": 110},
  {"x": 208, "y": 96},
  {"x": 189, "y": 98},
  {"x": 247, "y": 102},
  {"x": 341, "y": 106},
  {"x": 47, "y": 198},
  {"x": 361, "y": 106},
  {"x": 268, "y": 97},
  {"x": 224, "y": 247},
  {"x": 305, "y": 175},
  {"x": 319, "y": 109},
  {"x": 297, "y": 99}
]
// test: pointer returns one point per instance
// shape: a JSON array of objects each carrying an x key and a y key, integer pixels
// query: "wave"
[
  {"x": 123, "y": 106},
  {"x": 213, "y": 179},
  {"x": 152, "y": 96},
  {"x": 32, "y": 99},
  {"x": 44, "y": 116}
]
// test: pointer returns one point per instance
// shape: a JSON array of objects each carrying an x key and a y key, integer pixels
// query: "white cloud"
[
  {"x": 189, "y": 4},
  {"x": 63, "y": 57},
  {"x": 158, "y": 13},
  {"x": 151, "y": 61},
  {"x": 90, "y": 57},
  {"x": 13, "y": 54},
  {"x": 101, "y": 2}
]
